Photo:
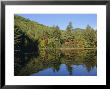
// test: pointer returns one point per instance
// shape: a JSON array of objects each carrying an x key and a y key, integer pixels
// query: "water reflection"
[{"x": 64, "y": 62}]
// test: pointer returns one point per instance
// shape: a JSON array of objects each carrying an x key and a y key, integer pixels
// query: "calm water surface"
[{"x": 66, "y": 62}]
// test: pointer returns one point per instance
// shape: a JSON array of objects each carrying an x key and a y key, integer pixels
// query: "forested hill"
[{"x": 31, "y": 34}]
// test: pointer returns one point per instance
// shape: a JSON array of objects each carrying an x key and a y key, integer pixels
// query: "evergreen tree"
[{"x": 69, "y": 27}]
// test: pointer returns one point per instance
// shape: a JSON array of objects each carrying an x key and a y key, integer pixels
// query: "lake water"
[{"x": 65, "y": 62}]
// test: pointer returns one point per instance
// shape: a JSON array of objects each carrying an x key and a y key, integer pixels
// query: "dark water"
[{"x": 66, "y": 62}]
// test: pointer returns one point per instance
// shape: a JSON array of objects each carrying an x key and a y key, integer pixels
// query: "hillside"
[{"x": 31, "y": 35}]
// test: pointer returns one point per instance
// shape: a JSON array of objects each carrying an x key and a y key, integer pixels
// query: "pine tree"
[{"x": 69, "y": 27}]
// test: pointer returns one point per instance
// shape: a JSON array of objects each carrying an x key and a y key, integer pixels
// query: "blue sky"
[{"x": 62, "y": 20}]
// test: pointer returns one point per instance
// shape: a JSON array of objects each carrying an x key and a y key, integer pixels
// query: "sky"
[{"x": 62, "y": 20}]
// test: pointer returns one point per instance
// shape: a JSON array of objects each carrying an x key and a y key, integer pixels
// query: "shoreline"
[{"x": 68, "y": 48}]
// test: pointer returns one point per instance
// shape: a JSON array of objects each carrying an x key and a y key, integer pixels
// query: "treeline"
[{"x": 52, "y": 37}]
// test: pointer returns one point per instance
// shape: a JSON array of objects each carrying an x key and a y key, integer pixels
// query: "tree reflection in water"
[{"x": 57, "y": 62}]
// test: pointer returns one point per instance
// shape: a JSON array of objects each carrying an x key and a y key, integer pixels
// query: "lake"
[{"x": 56, "y": 62}]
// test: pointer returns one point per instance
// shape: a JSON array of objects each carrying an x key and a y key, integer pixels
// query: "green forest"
[{"x": 30, "y": 35}]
